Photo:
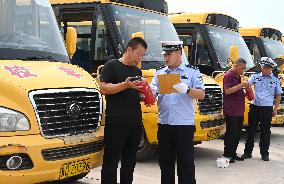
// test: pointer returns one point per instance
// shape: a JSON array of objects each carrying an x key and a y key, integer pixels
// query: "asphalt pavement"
[{"x": 251, "y": 171}]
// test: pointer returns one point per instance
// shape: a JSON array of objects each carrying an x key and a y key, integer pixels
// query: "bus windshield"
[
  {"x": 155, "y": 27},
  {"x": 29, "y": 31},
  {"x": 222, "y": 39},
  {"x": 273, "y": 48}
]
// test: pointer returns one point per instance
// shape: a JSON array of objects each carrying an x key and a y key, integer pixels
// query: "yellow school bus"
[
  {"x": 105, "y": 36},
  {"x": 267, "y": 42},
  {"x": 50, "y": 111},
  {"x": 213, "y": 41}
]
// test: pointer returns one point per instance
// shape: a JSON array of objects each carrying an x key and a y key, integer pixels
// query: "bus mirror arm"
[{"x": 185, "y": 48}]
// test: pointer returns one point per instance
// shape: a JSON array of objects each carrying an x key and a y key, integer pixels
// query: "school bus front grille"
[
  {"x": 72, "y": 151},
  {"x": 67, "y": 112},
  {"x": 212, "y": 123},
  {"x": 213, "y": 101}
]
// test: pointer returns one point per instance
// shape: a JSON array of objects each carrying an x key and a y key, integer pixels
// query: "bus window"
[
  {"x": 187, "y": 40},
  {"x": 256, "y": 53},
  {"x": 82, "y": 54},
  {"x": 103, "y": 49},
  {"x": 249, "y": 44},
  {"x": 187, "y": 35},
  {"x": 201, "y": 51},
  {"x": 197, "y": 46}
]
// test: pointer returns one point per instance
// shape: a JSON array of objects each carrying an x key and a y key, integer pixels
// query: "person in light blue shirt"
[
  {"x": 177, "y": 108},
  {"x": 176, "y": 116},
  {"x": 267, "y": 87}
]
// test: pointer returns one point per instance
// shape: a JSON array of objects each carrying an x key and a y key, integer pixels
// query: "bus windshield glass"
[
  {"x": 29, "y": 31},
  {"x": 222, "y": 40},
  {"x": 155, "y": 27},
  {"x": 273, "y": 48}
]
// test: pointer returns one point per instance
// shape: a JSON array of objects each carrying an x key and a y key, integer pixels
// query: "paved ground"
[{"x": 252, "y": 171}]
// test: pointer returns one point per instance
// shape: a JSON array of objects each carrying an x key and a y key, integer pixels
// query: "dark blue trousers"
[{"x": 176, "y": 143}]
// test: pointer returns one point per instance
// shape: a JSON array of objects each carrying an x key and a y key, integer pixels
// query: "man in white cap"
[
  {"x": 266, "y": 87},
  {"x": 176, "y": 116}
]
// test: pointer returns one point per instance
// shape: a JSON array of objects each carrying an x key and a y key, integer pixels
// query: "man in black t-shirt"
[{"x": 123, "y": 113}]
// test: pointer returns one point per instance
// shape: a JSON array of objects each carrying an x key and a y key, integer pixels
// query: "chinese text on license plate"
[
  {"x": 74, "y": 168},
  {"x": 213, "y": 134}
]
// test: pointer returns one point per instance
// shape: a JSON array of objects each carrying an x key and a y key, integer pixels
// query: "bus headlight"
[{"x": 11, "y": 121}]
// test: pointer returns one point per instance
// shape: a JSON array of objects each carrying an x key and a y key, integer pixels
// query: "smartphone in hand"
[{"x": 137, "y": 78}]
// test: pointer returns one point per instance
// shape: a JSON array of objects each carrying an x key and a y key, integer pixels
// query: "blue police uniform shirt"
[
  {"x": 178, "y": 108},
  {"x": 265, "y": 88}
]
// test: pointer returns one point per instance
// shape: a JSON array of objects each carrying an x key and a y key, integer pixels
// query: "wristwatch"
[{"x": 188, "y": 90}]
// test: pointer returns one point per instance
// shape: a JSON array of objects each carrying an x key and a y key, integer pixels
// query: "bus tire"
[{"x": 145, "y": 149}]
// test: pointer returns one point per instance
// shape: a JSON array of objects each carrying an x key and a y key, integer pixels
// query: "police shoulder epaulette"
[
  {"x": 193, "y": 67},
  {"x": 160, "y": 67}
]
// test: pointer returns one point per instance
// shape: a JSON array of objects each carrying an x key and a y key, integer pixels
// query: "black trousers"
[
  {"x": 232, "y": 137},
  {"x": 121, "y": 143},
  {"x": 259, "y": 115},
  {"x": 176, "y": 142}
]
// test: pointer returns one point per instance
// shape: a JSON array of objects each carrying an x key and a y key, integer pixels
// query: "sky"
[{"x": 250, "y": 13}]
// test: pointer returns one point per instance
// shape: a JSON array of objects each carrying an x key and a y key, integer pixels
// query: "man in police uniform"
[
  {"x": 176, "y": 116},
  {"x": 266, "y": 87}
]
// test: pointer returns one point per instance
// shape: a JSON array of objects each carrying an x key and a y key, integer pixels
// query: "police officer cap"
[
  {"x": 266, "y": 61},
  {"x": 170, "y": 46}
]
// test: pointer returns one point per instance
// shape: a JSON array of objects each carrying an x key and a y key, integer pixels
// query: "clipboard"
[{"x": 166, "y": 82}]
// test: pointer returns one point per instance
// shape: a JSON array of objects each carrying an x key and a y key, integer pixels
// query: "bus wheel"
[
  {"x": 145, "y": 149},
  {"x": 222, "y": 137}
]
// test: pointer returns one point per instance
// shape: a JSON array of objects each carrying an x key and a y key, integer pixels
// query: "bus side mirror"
[
  {"x": 234, "y": 54},
  {"x": 138, "y": 34},
  {"x": 71, "y": 41},
  {"x": 185, "y": 48},
  {"x": 139, "y": 65},
  {"x": 280, "y": 60},
  {"x": 281, "y": 69},
  {"x": 99, "y": 70}
]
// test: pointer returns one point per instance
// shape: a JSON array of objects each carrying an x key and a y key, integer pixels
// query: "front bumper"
[
  {"x": 151, "y": 127},
  {"x": 210, "y": 132},
  {"x": 278, "y": 120},
  {"x": 42, "y": 170}
]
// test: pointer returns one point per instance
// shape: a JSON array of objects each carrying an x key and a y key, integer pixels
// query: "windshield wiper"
[
  {"x": 157, "y": 64},
  {"x": 38, "y": 57}
]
